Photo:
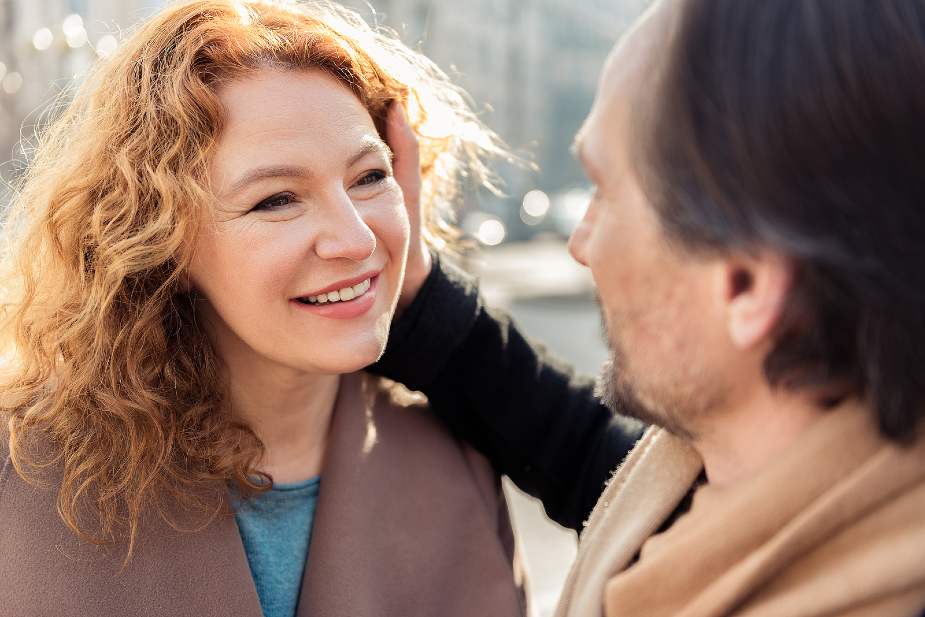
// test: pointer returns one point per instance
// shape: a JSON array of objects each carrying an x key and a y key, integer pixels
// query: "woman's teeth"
[{"x": 341, "y": 295}]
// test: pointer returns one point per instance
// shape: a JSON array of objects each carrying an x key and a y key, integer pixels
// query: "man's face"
[{"x": 664, "y": 325}]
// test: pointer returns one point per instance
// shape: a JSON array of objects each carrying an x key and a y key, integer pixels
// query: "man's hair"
[{"x": 799, "y": 126}]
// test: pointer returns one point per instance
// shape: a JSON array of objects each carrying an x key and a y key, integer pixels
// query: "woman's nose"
[{"x": 344, "y": 234}]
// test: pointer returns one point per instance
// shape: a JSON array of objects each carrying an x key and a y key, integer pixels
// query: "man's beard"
[{"x": 621, "y": 395}]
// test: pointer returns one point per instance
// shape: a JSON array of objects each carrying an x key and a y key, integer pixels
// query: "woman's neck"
[{"x": 290, "y": 412}]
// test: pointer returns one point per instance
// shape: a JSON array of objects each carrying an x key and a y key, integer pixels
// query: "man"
[{"x": 756, "y": 240}]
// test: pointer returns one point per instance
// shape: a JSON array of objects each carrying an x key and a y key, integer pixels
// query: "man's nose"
[
  {"x": 344, "y": 233},
  {"x": 578, "y": 241}
]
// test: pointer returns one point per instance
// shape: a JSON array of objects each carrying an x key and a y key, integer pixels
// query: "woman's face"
[{"x": 302, "y": 255}]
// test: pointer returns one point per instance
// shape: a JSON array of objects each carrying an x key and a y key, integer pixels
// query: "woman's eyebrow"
[
  {"x": 270, "y": 171},
  {"x": 371, "y": 145}
]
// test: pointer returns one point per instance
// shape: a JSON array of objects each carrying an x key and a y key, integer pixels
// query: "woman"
[{"x": 209, "y": 243}]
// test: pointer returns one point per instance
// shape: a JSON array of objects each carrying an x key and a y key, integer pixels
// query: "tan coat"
[
  {"x": 836, "y": 527},
  {"x": 409, "y": 522}
]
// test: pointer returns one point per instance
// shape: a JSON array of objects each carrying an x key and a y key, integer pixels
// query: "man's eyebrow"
[
  {"x": 576, "y": 145},
  {"x": 578, "y": 151},
  {"x": 371, "y": 145}
]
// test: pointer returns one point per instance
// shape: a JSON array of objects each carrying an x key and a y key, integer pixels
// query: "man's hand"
[{"x": 407, "y": 169}]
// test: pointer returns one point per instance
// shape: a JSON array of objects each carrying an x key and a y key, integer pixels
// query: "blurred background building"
[{"x": 531, "y": 68}]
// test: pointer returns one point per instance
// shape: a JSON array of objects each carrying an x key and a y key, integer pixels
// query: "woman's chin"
[{"x": 356, "y": 360}]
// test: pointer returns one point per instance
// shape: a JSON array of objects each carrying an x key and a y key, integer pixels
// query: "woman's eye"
[
  {"x": 275, "y": 202},
  {"x": 372, "y": 177}
]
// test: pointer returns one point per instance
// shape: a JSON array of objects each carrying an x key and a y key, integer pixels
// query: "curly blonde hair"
[{"x": 108, "y": 379}]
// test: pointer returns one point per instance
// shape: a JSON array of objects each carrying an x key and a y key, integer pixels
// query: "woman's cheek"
[
  {"x": 401, "y": 214},
  {"x": 389, "y": 220}
]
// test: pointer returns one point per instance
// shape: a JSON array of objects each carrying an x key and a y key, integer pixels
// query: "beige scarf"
[{"x": 836, "y": 527}]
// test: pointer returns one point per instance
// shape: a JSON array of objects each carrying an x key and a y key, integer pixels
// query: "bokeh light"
[
  {"x": 74, "y": 32},
  {"x": 42, "y": 39},
  {"x": 536, "y": 203},
  {"x": 12, "y": 83},
  {"x": 72, "y": 25},
  {"x": 491, "y": 232},
  {"x": 106, "y": 46}
]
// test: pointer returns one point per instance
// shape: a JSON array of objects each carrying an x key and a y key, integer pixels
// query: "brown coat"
[{"x": 409, "y": 522}]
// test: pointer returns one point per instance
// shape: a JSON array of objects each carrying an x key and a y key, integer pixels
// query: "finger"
[
  {"x": 398, "y": 130},
  {"x": 404, "y": 144}
]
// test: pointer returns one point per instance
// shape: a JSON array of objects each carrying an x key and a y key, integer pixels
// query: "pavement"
[{"x": 551, "y": 298}]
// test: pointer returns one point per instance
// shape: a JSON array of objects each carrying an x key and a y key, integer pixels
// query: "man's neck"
[{"x": 742, "y": 441}]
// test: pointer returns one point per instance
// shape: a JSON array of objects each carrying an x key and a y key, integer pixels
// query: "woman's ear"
[{"x": 756, "y": 290}]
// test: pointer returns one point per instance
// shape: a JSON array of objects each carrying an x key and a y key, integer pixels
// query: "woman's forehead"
[
  {"x": 290, "y": 118},
  {"x": 278, "y": 97}
]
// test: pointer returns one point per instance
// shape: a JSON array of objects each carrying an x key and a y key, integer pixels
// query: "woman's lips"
[{"x": 342, "y": 309}]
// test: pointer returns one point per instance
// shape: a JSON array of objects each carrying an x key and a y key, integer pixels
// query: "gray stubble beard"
[{"x": 620, "y": 395}]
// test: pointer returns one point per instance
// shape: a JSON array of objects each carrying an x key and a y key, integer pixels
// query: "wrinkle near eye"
[{"x": 222, "y": 213}]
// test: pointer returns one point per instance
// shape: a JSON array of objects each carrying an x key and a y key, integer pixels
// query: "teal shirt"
[{"x": 276, "y": 529}]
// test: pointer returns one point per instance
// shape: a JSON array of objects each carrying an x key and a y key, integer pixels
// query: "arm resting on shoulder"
[{"x": 536, "y": 420}]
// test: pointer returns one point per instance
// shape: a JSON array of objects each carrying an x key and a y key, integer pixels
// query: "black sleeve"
[{"x": 529, "y": 413}]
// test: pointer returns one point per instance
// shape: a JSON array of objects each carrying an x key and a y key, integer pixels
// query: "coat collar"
[
  {"x": 409, "y": 522},
  {"x": 637, "y": 500}
]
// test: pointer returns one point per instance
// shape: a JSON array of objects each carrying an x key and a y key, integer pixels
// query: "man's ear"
[{"x": 755, "y": 291}]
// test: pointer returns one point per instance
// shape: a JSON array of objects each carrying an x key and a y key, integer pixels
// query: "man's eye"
[
  {"x": 276, "y": 202},
  {"x": 372, "y": 177}
]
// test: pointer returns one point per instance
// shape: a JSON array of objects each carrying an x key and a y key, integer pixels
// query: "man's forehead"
[
  {"x": 633, "y": 58},
  {"x": 611, "y": 104},
  {"x": 627, "y": 70}
]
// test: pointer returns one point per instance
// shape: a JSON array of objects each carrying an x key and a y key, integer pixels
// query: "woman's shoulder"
[
  {"x": 36, "y": 486},
  {"x": 395, "y": 401},
  {"x": 10, "y": 480},
  {"x": 26, "y": 507},
  {"x": 6, "y": 465}
]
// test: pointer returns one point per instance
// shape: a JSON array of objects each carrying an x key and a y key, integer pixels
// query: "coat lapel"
[{"x": 407, "y": 523}]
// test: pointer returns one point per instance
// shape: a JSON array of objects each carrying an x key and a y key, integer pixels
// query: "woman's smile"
[{"x": 341, "y": 302}]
